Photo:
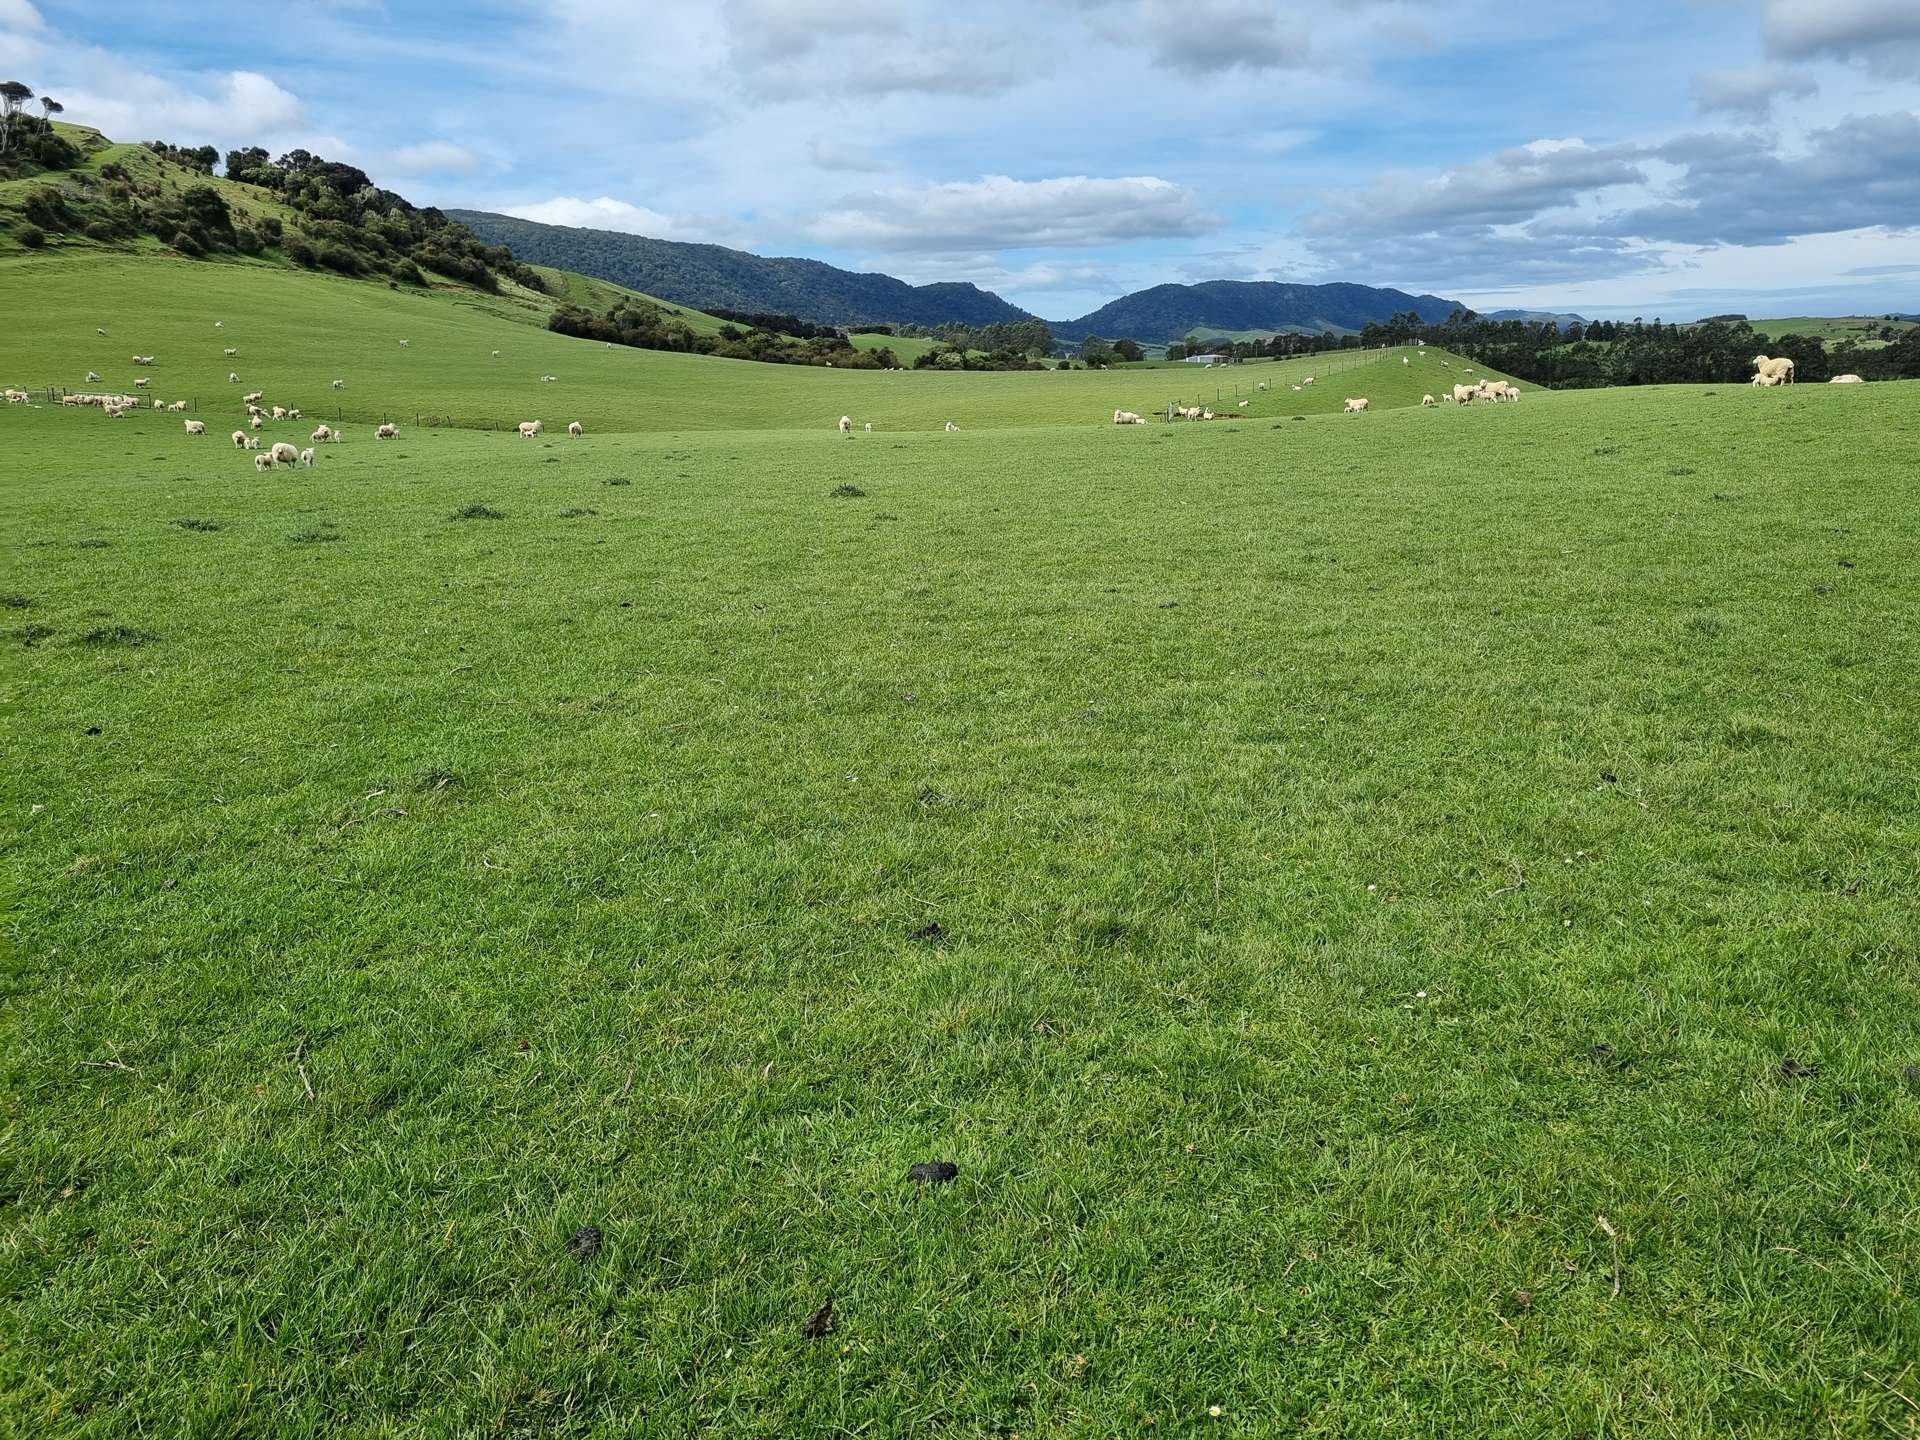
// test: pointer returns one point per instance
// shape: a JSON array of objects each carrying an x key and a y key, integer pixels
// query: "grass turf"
[{"x": 1299, "y": 805}]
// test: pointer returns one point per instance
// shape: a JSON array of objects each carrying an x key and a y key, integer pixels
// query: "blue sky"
[{"x": 1673, "y": 159}]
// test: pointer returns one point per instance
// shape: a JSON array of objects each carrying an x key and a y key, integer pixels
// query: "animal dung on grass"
[
  {"x": 1793, "y": 1069},
  {"x": 586, "y": 1243},
  {"x": 933, "y": 1172},
  {"x": 931, "y": 933},
  {"x": 819, "y": 1324}
]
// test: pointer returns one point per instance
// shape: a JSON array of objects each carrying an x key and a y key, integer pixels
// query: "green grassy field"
[
  {"x": 296, "y": 332},
  {"x": 1863, "y": 329},
  {"x": 1343, "y": 892}
]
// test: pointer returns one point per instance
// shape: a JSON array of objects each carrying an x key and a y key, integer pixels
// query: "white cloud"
[
  {"x": 829, "y": 154},
  {"x": 19, "y": 15},
  {"x": 607, "y": 213},
  {"x": 1749, "y": 91},
  {"x": 238, "y": 106},
  {"x": 1883, "y": 34},
  {"x": 999, "y": 213},
  {"x": 433, "y": 157}
]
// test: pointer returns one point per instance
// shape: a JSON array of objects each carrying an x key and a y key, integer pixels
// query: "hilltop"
[
  {"x": 715, "y": 277},
  {"x": 1235, "y": 307}
]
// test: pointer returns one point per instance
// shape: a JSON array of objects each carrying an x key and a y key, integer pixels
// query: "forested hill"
[
  {"x": 709, "y": 277},
  {"x": 1231, "y": 307}
]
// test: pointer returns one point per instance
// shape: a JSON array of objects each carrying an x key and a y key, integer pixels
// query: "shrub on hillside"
[
  {"x": 301, "y": 253},
  {"x": 187, "y": 245},
  {"x": 32, "y": 236},
  {"x": 408, "y": 273}
]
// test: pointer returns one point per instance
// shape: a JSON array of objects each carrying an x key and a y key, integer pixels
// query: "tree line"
[{"x": 650, "y": 327}]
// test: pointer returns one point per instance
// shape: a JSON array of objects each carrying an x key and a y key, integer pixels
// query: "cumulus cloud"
[
  {"x": 1204, "y": 37},
  {"x": 433, "y": 157},
  {"x": 607, "y": 213},
  {"x": 998, "y": 213},
  {"x": 223, "y": 108},
  {"x": 1749, "y": 91},
  {"x": 1740, "y": 190},
  {"x": 1882, "y": 34},
  {"x": 809, "y": 49}
]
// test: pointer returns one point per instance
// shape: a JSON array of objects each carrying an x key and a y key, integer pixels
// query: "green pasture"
[
  {"x": 1864, "y": 330},
  {"x": 1406, "y": 925},
  {"x": 297, "y": 332}
]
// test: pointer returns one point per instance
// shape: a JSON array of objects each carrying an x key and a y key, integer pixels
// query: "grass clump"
[
  {"x": 477, "y": 512},
  {"x": 847, "y": 492},
  {"x": 204, "y": 527},
  {"x": 132, "y": 636},
  {"x": 324, "y": 533}
]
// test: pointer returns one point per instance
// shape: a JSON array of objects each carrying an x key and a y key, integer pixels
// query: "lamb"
[
  {"x": 250, "y": 442},
  {"x": 1427, "y": 402},
  {"x": 254, "y": 399},
  {"x": 548, "y": 379},
  {"x": 403, "y": 344},
  {"x": 1846, "y": 380},
  {"x": 496, "y": 354},
  {"x": 306, "y": 458},
  {"x": 284, "y": 454},
  {"x": 1405, "y": 361},
  {"x": 239, "y": 439},
  {"x": 263, "y": 463},
  {"x": 1245, "y": 403},
  {"x": 293, "y": 414},
  {"x": 142, "y": 383},
  {"x": 1261, "y": 386},
  {"x": 177, "y": 405},
  {"x": 846, "y": 424},
  {"x": 339, "y": 384},
  {"x": 279, "y": 413},
  {"x": 1779, "y": 370},
  {"x": 98, "y": 331},
  {"x": 92, "y": 379},
  {"x": 219, "y": 324},
  {"x": 575, "y": 429},
  {"x": 230, "y": 352},
  {"x": 388, "y": 431},
  {"x": 869, "y": 427},
  {"x": 1354, "y": 407},
  {"x": 1763, "y": 382},
  {"x": 1307, "y": 381},
  {"x": 256, "y": 422},
  {"x": 195, "y": 427}
]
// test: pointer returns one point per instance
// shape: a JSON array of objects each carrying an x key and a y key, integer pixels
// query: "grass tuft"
[
  {"x": 847, "y": 492},
  {"x": 321, "y": 534},
  {"x": 203, "y": 526},
  {"x": 477, "y": 512},
  {"x": 129, "y": 635}
]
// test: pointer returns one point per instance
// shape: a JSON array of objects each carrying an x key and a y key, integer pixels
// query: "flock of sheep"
[{"x": 114, "y": 406}]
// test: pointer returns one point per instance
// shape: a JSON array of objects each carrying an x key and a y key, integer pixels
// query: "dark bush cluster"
[{"x": 649, "y": 327}]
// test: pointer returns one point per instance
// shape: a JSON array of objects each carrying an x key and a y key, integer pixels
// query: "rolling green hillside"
[
  {"x": 1866, "y": 331},
  {"x": 296, "y": 332},
  {"x": 1241, "y": 307}
]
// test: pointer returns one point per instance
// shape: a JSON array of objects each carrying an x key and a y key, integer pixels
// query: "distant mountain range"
[
  {"x": 711, "y": 276},
  {"x": 707, "y": 277},
  {"x": 1230, "y": 307}
]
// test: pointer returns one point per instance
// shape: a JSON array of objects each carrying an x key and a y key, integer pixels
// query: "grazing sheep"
[
  {"x": 284, "y": 454},
  {"x": 496, "y": 354},
  {"x": 575, "y": 429},
  {"x": 177, "y": 405},
  {"x": 951, "y": 427},
  {"x": 1244, "y": 403},
  {"x": 529, "y": 429},
  {"x": 388, "y": 431},
  {"x": 403, "y": 344},
  {"x": 321, "y": 435},
  {"x": 869, "y": 427},
  {"x": 1354, "y": 407},
  {"x": 263, "y": 463},
  {"x": 548, "y": 379},
  {"x": 1846, "y": 380},
  {"x": 1127, "y": 417},
  {"x": 195, "y": 427},
  {"x": 846, "y": 424},
  {"x": 1463, "y": 394},
  {"x": 254, "y": 399},
  {"x": 293, "y": 414},
  {"x": 306, "y": 458},
  {"x": 230, "y": 352},
  {"x": 219, "y": 324},
  {"x": 142, "y": 383},
  {"x": 250, "y": 442},
  {"x": 1779, "y": 370},
  {"x": 233, "y": 377},
  {"x": 92, "y": 379},
  {"x": 1427, "y": 402},
  {"x": 254, "y": 412},
  {"x": 339, "y": 384},
  {"x": 256, "y": 422},
  {"x": 239, "y": 439},
  {"x": 98, "y": 331},
  {"x": 1307, "y": 381},
  {"x": 1261, "y": 386}
]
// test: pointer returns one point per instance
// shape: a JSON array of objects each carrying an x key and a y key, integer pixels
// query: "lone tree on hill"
[
  {"x": 13, "y": 95},
  {"x": 51, "y": 107}
]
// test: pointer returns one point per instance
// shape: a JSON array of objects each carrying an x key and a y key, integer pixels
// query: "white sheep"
[
  {"x": 178, "y": 405},
  {"x": 1307, "y": 381},
  {"x": 321, "y": 435},
  {"x": 1427, "y": 402},
  {"x": 496, "y": 354},
  {"x": 254, "y": 399},
  {"x": 1405, "y": 361},
  {"x": 1846, "y": 380},
  {"x": 1354, "y": 407},
  {"x": 575, "y": 429},
  {"x": 142, "y": 383},
  {"x": 846, "y": 424},
  {"x": 951, "y": 427},
  {"x": 249, "y": 442},
  {"x": 1261, "y": 386},
  {"x": 306, "y": 458},
  {"x": 529, "y": 429},
  {"x": 869, "y": 427},
  {"x": 195, "y": 427},
  {"x": 338, "y": 384},
  {"x": 403, "y": 344},
  {"x": 293, "y": 414},
  {"x": 279, "y": 412},
  {"x": 92, "y": 379},
  {"x": 255, "y": 423},
  {"x": 388, "y": 431},
  {"x": 219, "y": 324},
  {"x": 230, "y": 352},
  {"x": 1244, "y": 403},
  {"x": 1464, "y": 394},
  {"x": 263, "y": 463},
  {"x": 239, "y": 439},
  {"x": 1779, "y": 370},
  {"x": 233, "y": 377},
  {"x": 284, "y": 454},
  {"x": 98, "y": 331}
]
